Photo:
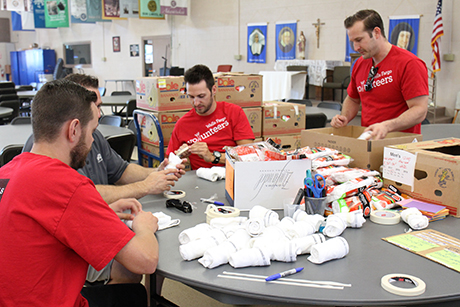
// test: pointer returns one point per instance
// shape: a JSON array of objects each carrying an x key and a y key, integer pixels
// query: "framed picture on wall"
[
  {"x": 134, "y": 50},
  {"x": 116, "y": 43}
]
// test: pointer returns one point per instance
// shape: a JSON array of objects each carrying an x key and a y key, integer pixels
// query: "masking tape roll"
[
  {"x": 385, "y": 217},
  {"x": 388, "y": 281},
  {"x": 174, "y": 194},
  {"x": 213, "y": 211}
]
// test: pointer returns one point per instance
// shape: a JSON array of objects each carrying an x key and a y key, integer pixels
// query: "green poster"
[
  {"x": 56, "y": 14},
  {"x": 150, "y": 9}
]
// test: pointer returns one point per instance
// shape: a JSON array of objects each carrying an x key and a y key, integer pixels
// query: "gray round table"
[{"x": 4, "y": 111}]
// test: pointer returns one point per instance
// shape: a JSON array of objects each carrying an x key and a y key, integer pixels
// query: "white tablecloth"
[
  {"x": 279, "y": 85},
  {"x": 316, "y": 68}
]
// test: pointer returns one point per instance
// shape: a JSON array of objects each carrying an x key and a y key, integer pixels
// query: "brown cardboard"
[
  {"x": 162, "y": 94},
  {"x": 437, "y": 173},
  {"x": 365, "y": 154},
  {"x": 282, "y": 118},
  {"x": 241, "y": 89},
  {"x": 167, "y": 120},
  {"x": 254, "y": 116},
  {"x": 287, "y": 141},
  {"x": 156, "y": 151}
]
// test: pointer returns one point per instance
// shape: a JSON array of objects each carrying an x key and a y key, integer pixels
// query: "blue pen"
[
  {"x": 282, "y": 274},
  {"x": 209, "y": 201}
]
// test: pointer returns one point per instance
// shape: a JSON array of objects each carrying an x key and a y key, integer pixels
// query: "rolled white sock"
[
  {"x": 217, "y": 255},
  {"x": 207, "y": 173},
  {"x": 173, "y": 161},
  {"x": 250, "y": 257},
  {"x": 305, "y": 244},
  {"x": 315, "y": 219},
  {"x": 269, "y": 217},
  {"x": 303, "y": 229},
  {"x": 254, "y": 226},
  {"x": 334, "y": 226},
  {"x": 286, "y": 251},
  {"x": 195, "y": 249},
  {"x": 220, "y": 171},
  {"x": 194, "y": 233},
  {"x": 353, "y": 219},
  {"x": 221, "y": 222},
  {"x": 415, "y": 218},
  {"x": 335, "y": 248}
]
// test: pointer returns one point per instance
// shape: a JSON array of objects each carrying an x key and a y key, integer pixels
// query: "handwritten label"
[
  {"x": 411, "y": 243},
  {"x": 399, "y": 166},
  {"x": 447, "y": 257}
]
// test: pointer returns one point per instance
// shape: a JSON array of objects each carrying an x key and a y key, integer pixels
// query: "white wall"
[{"x": 215, "y": 31}]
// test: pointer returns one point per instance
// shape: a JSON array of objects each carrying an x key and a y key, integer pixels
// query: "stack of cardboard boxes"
[{"x": 166, "y": 98}]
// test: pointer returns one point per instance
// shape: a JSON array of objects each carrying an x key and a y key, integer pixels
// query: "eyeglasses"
[{"x": 370, "y": 78}]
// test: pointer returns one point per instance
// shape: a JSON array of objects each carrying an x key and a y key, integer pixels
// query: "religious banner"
[
  {"x": 56, "y": 14},
  {"x": 39, "y": 14},
  {"x": 150, "y": 9},
  {"x": 286, "y": 33},
  {"x": 94, "y": 11},
  {"x": 79, "y": 12},
  {"x": 129, "y": 8},
  {"x": 404, "y": 32},
  {"x": 174, "y": 7},
  {"x": 257, "y": 35}
]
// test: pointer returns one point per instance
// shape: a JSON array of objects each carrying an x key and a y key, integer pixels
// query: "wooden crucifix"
[{"x": 317, "y": 25}]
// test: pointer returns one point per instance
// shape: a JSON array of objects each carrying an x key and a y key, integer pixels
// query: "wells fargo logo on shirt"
[
  {"x": 380, "y": 79},
  {"x": 213, "y": 127}
]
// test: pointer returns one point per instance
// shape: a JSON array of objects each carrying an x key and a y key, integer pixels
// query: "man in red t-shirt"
[
  {"x": 210, "y": 125},
  {"x": 53, "y": 221},
  {"x": 390, "y": 83}
]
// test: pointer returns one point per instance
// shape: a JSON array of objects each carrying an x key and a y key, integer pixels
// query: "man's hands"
[
  {"x": 339, "y": 121},
  {"x": 199, "y": 148},
  {"x": 379, "y": 130},
  {"x": 157, "y": 182},
  {"x": 145, "y": 221},
  {"x": 126, "y": 204}
]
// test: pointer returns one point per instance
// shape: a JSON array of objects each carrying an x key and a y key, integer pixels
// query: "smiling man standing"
[
  {"x": 210, "y": 125},
  {"x": 390, "y": 83}
]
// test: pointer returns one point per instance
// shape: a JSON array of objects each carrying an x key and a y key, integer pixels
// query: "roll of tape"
[
  {"x": 213, "y": 211},
  {"x": 389, "y": 280},
  {"x": 174, "y": 194},
  {"x": 385, "y": 217}
]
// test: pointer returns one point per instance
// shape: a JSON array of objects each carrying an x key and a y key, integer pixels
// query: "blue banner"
[
  {"x": 39, "y": 14},
  {"x": 257, "y": 42},
  {"x": 19, "y": 24},
  {"x": 286, "y": 34},
  {"x": 404, "y": 32}
]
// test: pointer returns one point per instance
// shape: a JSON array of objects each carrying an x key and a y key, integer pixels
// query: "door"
[{"x": 155, "y": 49}]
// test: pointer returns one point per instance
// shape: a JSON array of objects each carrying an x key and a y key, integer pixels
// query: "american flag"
[{"x": 436, "y": 38}]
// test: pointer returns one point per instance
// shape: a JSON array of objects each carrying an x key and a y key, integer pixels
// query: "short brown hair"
[
  {"x": 370, "y": 18},
  {"x": 84, "y": 80},
  {"x": 198, "y": 73},
  {"x": 57, "y": 102}
]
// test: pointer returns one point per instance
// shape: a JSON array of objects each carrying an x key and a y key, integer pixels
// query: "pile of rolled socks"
[
  {"x": 262, "y": 238},
  {"x": 414, "y": 218},
  {"x": 212, "y": 174}
]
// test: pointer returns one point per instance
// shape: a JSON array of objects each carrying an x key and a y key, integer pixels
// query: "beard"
[
  {"x": 79, "y": 153},
  {"x": 207, "y": 107}
]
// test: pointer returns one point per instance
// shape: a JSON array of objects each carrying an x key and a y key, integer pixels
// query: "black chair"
[
  {"x": 8, "y": 153},
  {"x": 116, "y": 295},
  {"x": 315, "y": 120},
  {"x": 4, "y": 85},
  {"x": 21, "y": 120},
  {"x": 330, "y": 105},
  {"x": 176, "y": 71},
  {"x": 340, "y": 80},
  {"x": 121, "y": 93},
  {"x": 13, "y": 104},
  {"x": 131, "y": 106},
  {"x": 132, "y": 127},
  {"x": 123, "y": 144},
  {"x": 306, "y": 102},
  {"x": 112, "y": 120},
  {"x": 8, "y": 91},
  {"x": 23, "y": 88},
  {"x": 60, "y": 71}
]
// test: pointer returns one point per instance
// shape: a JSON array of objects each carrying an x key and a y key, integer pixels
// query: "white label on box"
[{"x": 399, "y": 166}]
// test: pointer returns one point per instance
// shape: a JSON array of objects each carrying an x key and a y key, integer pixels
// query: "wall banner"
[
  {"x": 56, "y": 14},
  {"x": 257, "y": 42},
  {"x": 286, "y": 33},
  {"x": 404, "y": 32}
]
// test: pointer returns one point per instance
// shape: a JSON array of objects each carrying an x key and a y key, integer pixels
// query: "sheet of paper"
[{"x": 399, "y": 166}]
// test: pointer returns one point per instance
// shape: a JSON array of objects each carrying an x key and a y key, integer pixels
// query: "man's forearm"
[
  {"x": 112, "y": 193},
  {"x": 350, "y": 108},
  {"x": 408, "y": 119}
]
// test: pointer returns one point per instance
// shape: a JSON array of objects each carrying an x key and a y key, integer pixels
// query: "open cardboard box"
[
  {"x": 365, "y": 154},
  {"x": 437, "y": 173}
]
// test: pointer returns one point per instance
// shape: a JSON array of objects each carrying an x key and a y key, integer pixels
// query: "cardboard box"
[
  {"x": 156, "y": 151},
  {"x": 161, "y": 94},
  {"x": 288, "y": 141},
  {"x": 366, "y": 154},
  {"x": 264, "y": 183},
  {"x": 282, "y": 118},
  {"x": 254, "y": 116},
  {"x": 167, "y": 120},
  {"x": 241, "y": 89},
  {"x": 437, "y": 173}
]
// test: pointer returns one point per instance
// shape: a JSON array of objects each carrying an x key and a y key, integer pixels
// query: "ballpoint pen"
[
  {"x": 210, "y": 201},
  {"x": 282, "y": 274}
]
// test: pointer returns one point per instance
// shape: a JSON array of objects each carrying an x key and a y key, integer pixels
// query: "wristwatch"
[{"x": 217, "y": 156}]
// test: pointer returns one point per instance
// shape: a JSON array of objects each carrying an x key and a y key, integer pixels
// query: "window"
[{"x": 77, "y": 54}]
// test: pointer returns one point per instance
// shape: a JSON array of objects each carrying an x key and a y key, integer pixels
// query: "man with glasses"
[
  {"x": 390, "y": 83},
  {"x": 210, "y": 125}
]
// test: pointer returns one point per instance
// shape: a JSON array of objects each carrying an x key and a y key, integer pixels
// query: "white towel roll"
[
  {"x": 207, "y": 173},
  {"x": 315, "y": 219},
  {"x": 286, "y": 251},
  {"x": 415, "y": 218},
  {"x": 305, "y": 244},
  {"x": 303, "y": 229},
  {"x": 194, "y": 233},
  {"x": 195, "y": 249},
  {"x": 335, "y": 248},
  {"x": 250, "y": 257},
  {"x": 240, "y": 238},
  {"x": 269, "y": 217},
  {"x": 217, "y": 255},
  {"x": 353, "y": 219},
  {"x": 164, "y": 221},
  {"x": 220, "y": 171},
  {"x": 334, "y": 226},
  {"x": 254, "y": 226},
  {"x": 223, "y": 222}
]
